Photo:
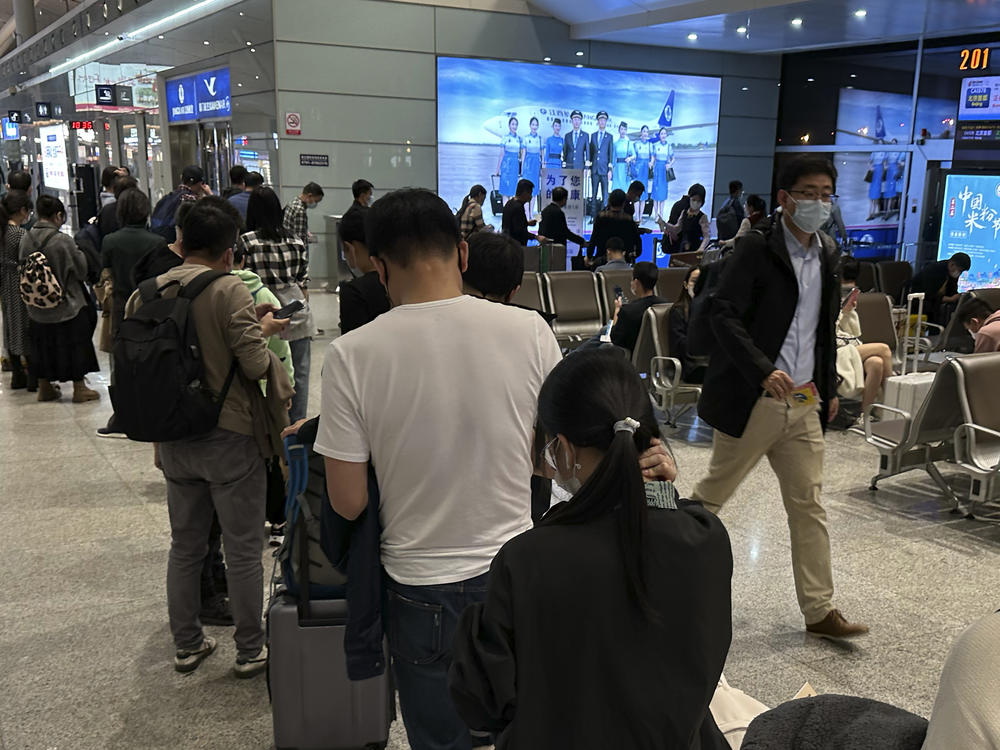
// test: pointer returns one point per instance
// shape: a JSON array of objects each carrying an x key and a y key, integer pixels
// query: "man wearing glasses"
[{"x": 771, "y": 384}]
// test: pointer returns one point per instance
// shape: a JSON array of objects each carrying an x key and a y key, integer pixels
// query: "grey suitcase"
[{"x": 313, "y": 704}]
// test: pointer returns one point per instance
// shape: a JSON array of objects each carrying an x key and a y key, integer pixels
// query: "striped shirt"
[
  {"x": 472, "y": 220},
  {"x": 276, "y": 262}
]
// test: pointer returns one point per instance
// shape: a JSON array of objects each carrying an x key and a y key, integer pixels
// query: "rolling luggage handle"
[
  {"x": 917, "y": 297},
  {"x": 298, "y": 479}
]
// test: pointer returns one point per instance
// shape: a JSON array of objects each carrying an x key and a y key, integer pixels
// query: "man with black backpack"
[
  {"x": 732, "y": 213},
  {"x": 192, "y": 187},
  {"x": 772, "y": 380},
  {"x": 189, "y": 357}
]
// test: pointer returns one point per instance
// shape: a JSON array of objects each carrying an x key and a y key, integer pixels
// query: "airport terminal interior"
[{"x": 760, "y": 231}]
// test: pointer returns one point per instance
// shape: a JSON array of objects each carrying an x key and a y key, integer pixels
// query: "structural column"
[{"x": 24, "y": 21}]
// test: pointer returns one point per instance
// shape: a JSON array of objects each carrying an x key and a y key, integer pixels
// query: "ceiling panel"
[{"x": 764, "y": 26}]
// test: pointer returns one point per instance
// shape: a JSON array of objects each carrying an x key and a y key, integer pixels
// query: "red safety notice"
[{"x": 293, "y": 123}]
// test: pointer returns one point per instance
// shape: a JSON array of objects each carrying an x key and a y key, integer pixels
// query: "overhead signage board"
[
  {"x": 199, "y": 97},
  {"x": 980, "y": 99},
  {"x": 105, "y": 96},
  {"x": 11, "y": 130},
  {"x": 43, "y": 110}
]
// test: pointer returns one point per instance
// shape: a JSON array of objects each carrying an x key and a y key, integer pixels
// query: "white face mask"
[
  {"x": 571, "y": 483},
  {"x": 809, "y": 216}
]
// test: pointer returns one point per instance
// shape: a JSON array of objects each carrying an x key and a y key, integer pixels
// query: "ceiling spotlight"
[
  {"x": 746, "y": 88},
  {"x": 692, "y": 37},
  {"x": 249, "y": 44},
  {"x": 741, "y": 30},
  {"x": 860, "y": 13},
  {"x": 253, "y": 49},
  {"x": 160, "y": 37},
  {"x": 796, "y": 22},
  {"x": 206, "y": 42},
  {"x": 853, "y": 75},
  {"x": 579, "y": 53},
  {"x": 810, "y": 80},
  {"x": 546, "y": 59},
  {"x": 805, "y": 138},
  {"x": 579, "y": 65}
]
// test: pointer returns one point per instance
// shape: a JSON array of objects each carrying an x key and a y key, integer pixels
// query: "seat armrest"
[
  {"x": 869, "y": 437},
  {"x": 965, "y": 441},
  {"x": 666, "y": 372}
]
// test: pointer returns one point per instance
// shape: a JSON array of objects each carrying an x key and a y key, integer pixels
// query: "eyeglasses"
[
  {"x": 548, "y": 454},
  {"x": 812, "y": 195}
]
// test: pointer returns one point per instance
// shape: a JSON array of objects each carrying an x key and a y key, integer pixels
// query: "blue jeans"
[
  {"x": 301, "y": 359},
  {"x": 420, "y": 622}
]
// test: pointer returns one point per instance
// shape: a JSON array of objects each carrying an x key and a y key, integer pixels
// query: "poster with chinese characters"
[
  {"x": 572, "y": 180},
  {"x": 970, "y": 223}
]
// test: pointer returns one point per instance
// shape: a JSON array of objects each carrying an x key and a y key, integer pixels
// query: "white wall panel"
[
  {"x": 336, "y": 117},
  {"x": 359, "y": 23},
  {"x": 351, "y": 70}
]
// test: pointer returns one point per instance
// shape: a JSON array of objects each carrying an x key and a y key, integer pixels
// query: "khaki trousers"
[{"x": 792, "y": 440}]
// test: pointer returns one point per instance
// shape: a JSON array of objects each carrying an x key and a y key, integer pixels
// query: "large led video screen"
[
  {"x": 970, "y": 223},
  {"x": 496, "y": 124}
]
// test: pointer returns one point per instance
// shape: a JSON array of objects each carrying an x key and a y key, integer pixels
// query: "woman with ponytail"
[
  {"x": 14, "y": 211},
  {"x": 470, "y": 215},
  {"x": 608, "y": 624}
]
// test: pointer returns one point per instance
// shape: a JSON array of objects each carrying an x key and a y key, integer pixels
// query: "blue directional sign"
[
  {"x": 182, "y": 100},
  {"x": 199, "y": 97}
]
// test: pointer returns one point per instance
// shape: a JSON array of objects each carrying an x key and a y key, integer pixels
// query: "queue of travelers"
[{"x": 485, "y": 649}]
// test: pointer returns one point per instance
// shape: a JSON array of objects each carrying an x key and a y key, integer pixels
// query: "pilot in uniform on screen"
[
  {"x": 576, "y": 145},
  {"x": 601, "y": 158}
]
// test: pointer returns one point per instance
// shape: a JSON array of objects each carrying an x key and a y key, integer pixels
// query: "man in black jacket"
[
  {"x": 614, "y": 222},
  {"x": 772, "y": 381},
  {"x": 628, "y": 316},
  {"x": 515, "y": 222},
  {"x": 553, "y": 223}
]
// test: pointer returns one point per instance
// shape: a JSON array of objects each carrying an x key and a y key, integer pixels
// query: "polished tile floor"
[{"x": 85, "y": 651}]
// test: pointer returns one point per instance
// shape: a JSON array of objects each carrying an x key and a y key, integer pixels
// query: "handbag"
[
  {"x": 670, "y": 174},
  {"x": 869, "y": 174}
]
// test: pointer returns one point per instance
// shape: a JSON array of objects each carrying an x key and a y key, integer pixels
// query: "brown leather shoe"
[
  {"x": 82, "y": 394},
  {"x": 835, "y": 626}
]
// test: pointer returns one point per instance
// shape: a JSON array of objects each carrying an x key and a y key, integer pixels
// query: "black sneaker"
[
  {"x": 216, "y": 611},
  {"x": 248, "y": 666},
  {"x": 107, "y": 432},
  {"x": 188, "y": 661}
]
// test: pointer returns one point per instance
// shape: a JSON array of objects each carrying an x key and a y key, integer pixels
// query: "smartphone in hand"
[
  {"x": 852, "y": 298},
  {"x": 619, "y": 294},
  {"x": 289, "y": 310}
]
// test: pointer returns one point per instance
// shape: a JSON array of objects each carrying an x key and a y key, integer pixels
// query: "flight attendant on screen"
[
  {"x": 643, "y": 151},
  {"x": 509, "y": 165},
  {"x": 554, "y": 146},
  {"x": 531, "y": 161},
  {"x": 663, "y": 160},
  {"x": 624, "y": 156}
]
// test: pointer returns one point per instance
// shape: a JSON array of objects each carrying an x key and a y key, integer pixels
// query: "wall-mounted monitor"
[
  {"x": 970, "y": 223},
  {"x": 497, "y": 123}
]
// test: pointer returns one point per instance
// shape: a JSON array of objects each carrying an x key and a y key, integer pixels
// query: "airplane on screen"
[
  {"x": 546, "y": 114},
  {"x": 880, "y": 133}
]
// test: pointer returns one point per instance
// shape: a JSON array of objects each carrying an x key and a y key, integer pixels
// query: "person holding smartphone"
[{"x": 861, "y": 367}]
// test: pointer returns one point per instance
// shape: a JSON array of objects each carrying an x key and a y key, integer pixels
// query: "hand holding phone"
[
  {"x": 289, "y": 310},
  {"x": 852, "y": 300}
]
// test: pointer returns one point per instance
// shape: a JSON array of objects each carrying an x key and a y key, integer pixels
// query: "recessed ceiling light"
[
  {"x": 546, "y": 59},
  {"x": 746, "y": 88},
  {"x": 796, "y": 22},
  {"x": 206, "y": 42},
  {"x": 853, "y": 75},
  {"x": 249, "y": 44},
  {"x": 253, "y": 49},
  {"x": 241, "y": 12},
  {"x": 850, "y": 87},
  {"x": 579, "y": 65},
  {"x": 692, "y": 37},
  {"x": 741, "y": 30},
  {"x": 810, "y": 80},
  {"x": 240, "y": 85},
  {"x": 256, "y": 78},
  {"x": 579, "y": 53},
  {"x": 860, "y": 13},
  {"x": 161, "y": 36}
]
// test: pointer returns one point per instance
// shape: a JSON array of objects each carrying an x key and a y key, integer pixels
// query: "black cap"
[
  {"x": 601, "y": 114},
  {"x": 576, "y": 113},
  {"x": 192, "y": 175}
]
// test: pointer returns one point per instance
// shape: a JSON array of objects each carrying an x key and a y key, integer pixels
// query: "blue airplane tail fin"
[{"x": 667, "y": 115}]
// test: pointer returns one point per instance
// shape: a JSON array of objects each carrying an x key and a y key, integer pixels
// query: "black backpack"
[
  {"x": 88, "y": 239},
  {"x": 159, "y": 393},
  {"x": 164, "y": 219},
  {"x": 701, "y": 337},
  {"x": 727, "y": 221}
]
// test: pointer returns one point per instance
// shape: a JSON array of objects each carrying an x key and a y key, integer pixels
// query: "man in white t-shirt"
[{"x": 441, "y": 393}]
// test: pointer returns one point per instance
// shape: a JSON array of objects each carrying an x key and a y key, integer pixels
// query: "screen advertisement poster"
[
  {"x": 970, "y": 223},
  {"x": 55, "y": 169},
  {"x": 980, "y": 99},
  {"x": 497, "y": 124}
]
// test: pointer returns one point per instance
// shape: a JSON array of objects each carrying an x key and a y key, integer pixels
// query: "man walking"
[{"x": 772, "y": 383}]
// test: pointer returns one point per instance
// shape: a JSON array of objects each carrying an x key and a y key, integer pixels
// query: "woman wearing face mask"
[
  {"x": 692, "y": 368},
  {"x": 613, "y": 634},
  {"x": 693, "y": 230},
  {"x": 508, "y": 167}
]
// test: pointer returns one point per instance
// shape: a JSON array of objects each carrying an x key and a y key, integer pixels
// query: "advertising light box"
[{"x": 970, "y": 223}]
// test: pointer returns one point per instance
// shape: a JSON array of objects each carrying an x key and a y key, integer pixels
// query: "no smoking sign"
[{"x": 293, "y": 123}]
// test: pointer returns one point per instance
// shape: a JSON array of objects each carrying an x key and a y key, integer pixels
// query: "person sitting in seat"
[
  {"x": 979, "y": 318},
  {"x": 614, "y": 222},
  {"x": 756, "y": 218},
  {"x": 858, "y": 363},
  {"x": 611, "y": 557},
  {"x": 614, "y": 256},
  {"x": 692, "y": 368},
  {"x": 628, "y": 316},
  {"x": 692, "y": 229},
  {"x": 496, "y": 267},
  {"x": 939, "y": 283}
]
